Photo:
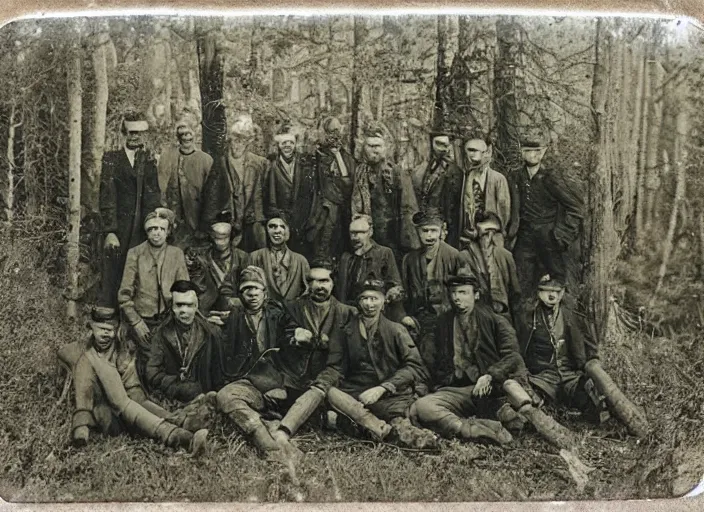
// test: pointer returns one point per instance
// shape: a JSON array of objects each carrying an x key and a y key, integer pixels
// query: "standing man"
[
  {"x": 494, "y": 267},
  {"x": 110, "y": 398},
  {"x": 549, "y": 217},
  {"x": 424, "y": 272},
  {"x": 217, "y": 272},
  {"x": 285, "y": 270},
  {"x": 129, "y": 189},
  {"x": 183, "y": 171},
  {"x": 334, "y": 170},
  {"x": 150, "y": 270},
  {"x": 369, "y": 260},
  {"x": 483, "y": 189},
  {"x": 290, "y": 186},
  {"x": 476, "y": 351},
  {"x": 437, "y": 183},
  {"x": 182, "y": 348},
  {"x": 236, "y": 184},
  {"x": 386, "y": 194}
]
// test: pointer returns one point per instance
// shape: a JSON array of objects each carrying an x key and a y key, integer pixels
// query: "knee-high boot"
[{"x": 355, "y": 410}]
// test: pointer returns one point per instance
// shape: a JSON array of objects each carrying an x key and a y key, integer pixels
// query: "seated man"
[
  {"x": 217, "y": 271},
  {"x": 182, "y": 348},
  {"x": 556, "y": 348},
  {"x": 494, "y": 267},
  {"x": 369, "y": 261},
  {"x": 109, "y": 396},
  {"x": 151, "y": 268},
  {"x": 296, "y": 378},
  {"x": 381, "y": 364},
  {"x": 285, "y": 270},
  {"x": 477, "y": 350}
]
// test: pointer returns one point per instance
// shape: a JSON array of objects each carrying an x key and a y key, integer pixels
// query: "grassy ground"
[{"x": 37, "y": 462}]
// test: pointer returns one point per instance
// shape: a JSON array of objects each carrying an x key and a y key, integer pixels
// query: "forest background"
[{"x": 618, "y": 97}]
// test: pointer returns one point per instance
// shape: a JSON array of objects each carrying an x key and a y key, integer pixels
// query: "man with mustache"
[
  {"x": 482, "y": 189},
  {"x": 129, "y": 190},
  {"x": 290, "y": 186},
  {"x": 385, "y": 193},
  {"x": 334, "y": 170},
  {"x": 285, "y": 270},
  {"x": 476, "y": 351},
  {"x": 424, "y": 273},
  {"x": 151, "y": 269},
  {"x": 183, "y": 171},
  {"x": 437, "y": 183},
  {"x": 217, "y": 271},
  {"x": 182, "y": 348},
  {"x": 369, "y": 260},
  {"x": 110, "y": 398}
]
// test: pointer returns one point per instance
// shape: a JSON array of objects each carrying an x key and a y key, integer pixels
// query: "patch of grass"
[{"x": 38, "y": 463}]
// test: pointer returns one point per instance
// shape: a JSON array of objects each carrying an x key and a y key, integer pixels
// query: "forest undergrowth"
[{"x": 661, "y": 374}]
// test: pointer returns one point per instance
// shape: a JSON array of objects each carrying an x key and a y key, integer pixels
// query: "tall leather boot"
[
  {"x": 176, "y": 437},
  {"x": 484, "y": 430},
  {"x": 250, "y": 422},
  {"x": 355, "y": 410}
]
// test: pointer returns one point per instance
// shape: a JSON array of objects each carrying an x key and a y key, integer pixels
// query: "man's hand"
[
  {"x": 394, "y": 294},
  {"x": 111, "y": 241},
  {"x": 483, "y": 386},
  {"x": 302, "y": 336},
  {"x": 142, "y": 332},
  {"x": 372, "y": 395},
  {"x": 218, "y": 317}
]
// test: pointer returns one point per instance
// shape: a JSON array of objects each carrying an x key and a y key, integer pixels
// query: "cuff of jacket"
[
  {"x": 390, "y": 387},
  {"x": 497, "y": 375},
  {"x": 131, "y": 314}
]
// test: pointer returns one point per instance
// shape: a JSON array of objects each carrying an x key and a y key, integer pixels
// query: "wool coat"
[
  {"x": 295, "y": 283},
  {"x": 219, "y": 285}
]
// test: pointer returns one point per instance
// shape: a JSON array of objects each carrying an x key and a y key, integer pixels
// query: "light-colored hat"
[
  {"x": 252, "y": 276},
  {"x": 160, "y": 213}
]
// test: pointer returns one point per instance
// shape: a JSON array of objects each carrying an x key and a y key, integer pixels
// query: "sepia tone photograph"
[{"x": 339, "y": 258}]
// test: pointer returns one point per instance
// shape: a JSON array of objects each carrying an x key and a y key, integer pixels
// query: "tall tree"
[
  {"x": 211, "y": 63},
  {"x": 359, "y": 30}
]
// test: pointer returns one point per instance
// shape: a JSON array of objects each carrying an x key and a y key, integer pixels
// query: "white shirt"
[
  {"x": 479, "y": 177},
  {"x": 130, "y": 155}
]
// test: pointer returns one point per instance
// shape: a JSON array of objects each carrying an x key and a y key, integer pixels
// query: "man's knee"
[
  {"x": 237, "y": 394},
  {"x": 427, "y": 409}
]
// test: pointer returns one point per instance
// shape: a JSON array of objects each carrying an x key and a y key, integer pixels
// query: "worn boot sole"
[
  {"x": 486, "y": 430},
  {"x": 199, "y": 442}
]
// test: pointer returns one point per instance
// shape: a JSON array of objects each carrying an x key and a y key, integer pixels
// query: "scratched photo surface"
[{"x": 351, "y": 258}]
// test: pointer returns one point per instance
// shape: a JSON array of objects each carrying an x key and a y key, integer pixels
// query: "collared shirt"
[
  {"x": 130, "y": 155},
  {"x": 318, "y": 311}
]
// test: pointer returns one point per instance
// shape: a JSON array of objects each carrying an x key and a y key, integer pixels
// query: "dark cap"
[
  {"x": 533, "y": 138},
  {"x": 223, "y": 216},
  {"x": 321, "y": 262},
  {"x": 374, "y": 130},
  {"x": 183, "y": 286},
  {"x": 488, "y": 217},
  {"x": 464, "y": 276},
  {"x": 373, "y": 285},
  {"x": 428, "y": 216},
  {"x": 104, "y": 315},
  {"x": 551, "y": 283},
  {"x": 278, "y": 214}
]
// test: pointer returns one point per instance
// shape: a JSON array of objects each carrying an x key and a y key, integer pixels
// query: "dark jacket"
[
  {"x": 396, "y": 359},
  {"x": 127, "y": 195},
  {"x": 218, "y": 287},
  {"x": 442, "y": 190},
  {"x": 238, "y": 355},
  {"x": 295, "y": 283},
  {"x": 377, "y": 263},
  {"x": 319, "y": 363},
  {"x": 496, "y": 351},
  {"x": 292, "y": 197},
  {"x": 415, "y": 277},
  {"x": 164, "y": 366},
  {"x": 580, "y": 344}
]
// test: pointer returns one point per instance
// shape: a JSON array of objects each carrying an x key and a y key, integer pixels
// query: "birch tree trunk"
[
  {"x": 9, "y": 193},
  {"x": 90, "y": 180},
  {"x": 359, "y": 31},
  {"x": 652, "y": 171},
  {"x": 75, "y": 94},
  {"x": 211, "y": 63},
  {"x": 640, "y": 193}
]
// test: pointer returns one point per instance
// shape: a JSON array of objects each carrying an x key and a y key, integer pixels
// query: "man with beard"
[
  {"x": 290, "y": 186},
  {"x": 217, "y": 271},
  {"x": 437, "y": 183},
  {"x": 476, "y": 351},
  {"x": 310, "y": 356},
  {"x": 369, "y": 261},
  {"x": 151, "y": 269},
  {"x": 381, "y": 364},
  {"x": 285, "y": 270},
  {"x": 494, "y": 267},
  {"x": 182, "y": 348},
  {"x": 109, "y": 396},
  {"x": 386, "y": 194},
  {"x": 183, "y": 171},
  {"x": 129, "y": 189},
  {"x": 334, "y": 170},
  {"x": 483, "y": 189},
  {"x": 235, "y": 184},
  {"x": 547, "y": 217},
  {"x": 424, "y": 272}
]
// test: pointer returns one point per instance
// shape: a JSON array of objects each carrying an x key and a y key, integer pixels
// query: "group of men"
[{"x": 273, "y": 289}]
